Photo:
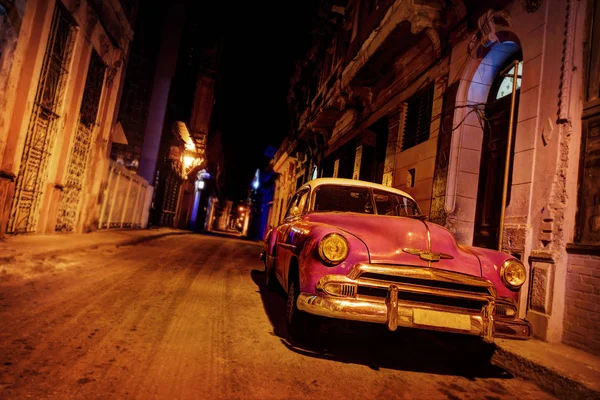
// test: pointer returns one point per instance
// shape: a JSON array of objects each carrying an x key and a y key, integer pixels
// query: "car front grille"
[
  {"x": 469, "y": 304},
  {"x": 425, "y": 286},
  {"x": 426, "y": 282}
]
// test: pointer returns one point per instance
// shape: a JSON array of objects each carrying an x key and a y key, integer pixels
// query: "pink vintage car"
[{"x": 360, "y": 251}]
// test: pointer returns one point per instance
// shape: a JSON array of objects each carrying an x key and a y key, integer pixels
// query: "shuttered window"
[{"x": 418, "y": 118}]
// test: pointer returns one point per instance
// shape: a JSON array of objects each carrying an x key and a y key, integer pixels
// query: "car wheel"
[{"x": 299, "y": 325}]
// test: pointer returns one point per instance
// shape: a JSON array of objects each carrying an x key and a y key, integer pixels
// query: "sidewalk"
[
  {"x": 563, "y": 371},
  {"x": 18, "y": 249}
]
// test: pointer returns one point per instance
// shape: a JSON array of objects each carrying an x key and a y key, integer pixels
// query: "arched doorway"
[
  {"x": 480, "y": 96},
  {"x": 496, "y": 128}
]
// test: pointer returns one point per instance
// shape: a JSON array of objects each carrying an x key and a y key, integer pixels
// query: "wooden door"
[{"x": 491, "y": 172}]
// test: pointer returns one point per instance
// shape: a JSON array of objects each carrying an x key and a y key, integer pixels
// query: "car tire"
[{"x": 300, "y": 326}]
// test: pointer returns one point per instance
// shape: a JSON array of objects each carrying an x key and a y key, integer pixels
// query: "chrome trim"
[
  {"x": 421, "y": 273},
  {"x": 516, "y": 329},
  {"x": 428, "y": 244},
  {"x": 377, "y": 312},
  {"x": 394, "y": 311},
  {"x": 427, "y": 255},
  {"x": 288, "y": 246},
  {"x": 322, "y": 255},
  {"x": 408, "y": 287},
  {"x": 391, "y": 303},
  {"x": 502, "y": 272},
  {"x": 508, "y": 303}
]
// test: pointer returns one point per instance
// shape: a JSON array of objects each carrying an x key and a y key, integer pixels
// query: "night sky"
[{"x": 261, "y": 42}]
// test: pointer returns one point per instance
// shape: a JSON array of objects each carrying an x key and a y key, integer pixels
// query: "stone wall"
[{"x": 582, "y": 311}]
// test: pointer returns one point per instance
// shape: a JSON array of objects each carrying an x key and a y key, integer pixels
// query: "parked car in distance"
[{"x": 361, "y": 251}]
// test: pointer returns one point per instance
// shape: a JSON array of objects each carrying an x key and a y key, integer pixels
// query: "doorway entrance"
[{"x": 496, "y": 123}]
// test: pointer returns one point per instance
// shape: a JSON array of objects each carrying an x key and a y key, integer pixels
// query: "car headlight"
[
  {"x": 333, "y": 248},
  {"x": 513, "y": 274}
]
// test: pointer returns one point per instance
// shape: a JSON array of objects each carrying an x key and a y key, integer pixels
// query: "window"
[
  {"x": 343, "y": 199},
  {"x": 302, "y": 200},
  {"x": 364, "y": 200},
  {"x": 298, "y": 200},
  {"x": 92, "y": 91},
  {"x": 506, "y": 86},
  {"x": 418, "y": 118},
  {"x": 394, "y": 204}
]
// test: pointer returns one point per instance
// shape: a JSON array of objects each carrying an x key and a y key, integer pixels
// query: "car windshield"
[{"x": 338, "y": 198}]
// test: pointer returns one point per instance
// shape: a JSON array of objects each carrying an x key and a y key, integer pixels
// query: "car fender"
[
  {"x": 305, "y": 238},
  {"x": 491, "y": 262}
]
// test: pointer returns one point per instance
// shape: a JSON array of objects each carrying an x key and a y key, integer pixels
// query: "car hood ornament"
[{"x": 427, "y": 255}]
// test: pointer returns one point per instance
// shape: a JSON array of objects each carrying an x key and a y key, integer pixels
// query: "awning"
[
  {"x": 184, "y": 133},
  {"x": 119, "y": 134}
]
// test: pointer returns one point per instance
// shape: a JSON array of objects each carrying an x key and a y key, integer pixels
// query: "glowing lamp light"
[
  {"x": 188, "y": 161},
  {"x": 200, "y": 184},
  {"x": 255, "y": 181}
]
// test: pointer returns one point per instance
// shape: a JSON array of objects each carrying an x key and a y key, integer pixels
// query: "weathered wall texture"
[{"x": 53, "y": 147}]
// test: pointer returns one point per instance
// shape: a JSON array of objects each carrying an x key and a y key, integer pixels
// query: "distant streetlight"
[
  {"x": 256, "y": 180},
  {"x": 200, "y": 176}
]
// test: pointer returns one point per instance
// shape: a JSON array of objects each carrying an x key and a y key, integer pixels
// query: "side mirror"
[{"x": 295, "y": 212}]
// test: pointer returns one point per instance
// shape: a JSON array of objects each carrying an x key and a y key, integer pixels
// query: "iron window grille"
[{"x": 43, "y": 124}]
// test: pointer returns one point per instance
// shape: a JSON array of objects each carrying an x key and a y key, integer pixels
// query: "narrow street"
[{"x": 185, "y": 317}]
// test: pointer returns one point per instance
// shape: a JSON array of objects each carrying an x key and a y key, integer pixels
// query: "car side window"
[
  {"x": 303, "y": 200},
  {"x": 298, "y": 200},
  {"x": 293, "y": 203}
]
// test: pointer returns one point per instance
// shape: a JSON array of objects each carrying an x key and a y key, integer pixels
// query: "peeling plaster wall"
[
  {"x": 540, "y": 218},
  {"x": 11, "y": 60},
  {"x": 26, "y": 49},
  {"x": 10, "y": 27}
]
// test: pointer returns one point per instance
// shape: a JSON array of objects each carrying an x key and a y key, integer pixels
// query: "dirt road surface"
[{"x": 184, "y": 317}]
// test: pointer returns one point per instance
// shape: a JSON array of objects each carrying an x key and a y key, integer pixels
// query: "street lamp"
[{"x": 202, "y": 174}]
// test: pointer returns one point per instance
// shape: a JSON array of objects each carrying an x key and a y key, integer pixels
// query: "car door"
[{"x": 285, "y": 247}]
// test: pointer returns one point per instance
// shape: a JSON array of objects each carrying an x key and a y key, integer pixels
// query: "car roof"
[{"x": 354, "y": 182}]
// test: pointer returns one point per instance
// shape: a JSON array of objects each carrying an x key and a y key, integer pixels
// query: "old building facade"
[
  {"x": 60, "y": 77},
  {"x": 167, "y": 107},
  {"x": 182, "y": 200},
  {"x": 486, "y": 113}
]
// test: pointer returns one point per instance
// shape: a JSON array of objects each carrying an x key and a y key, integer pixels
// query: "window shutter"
[{"x": 418, "y": 118}]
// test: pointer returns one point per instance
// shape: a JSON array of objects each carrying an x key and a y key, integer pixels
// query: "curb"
[
  {"x": 550, "y": 380},
  {"x": 93, "y": 246}
]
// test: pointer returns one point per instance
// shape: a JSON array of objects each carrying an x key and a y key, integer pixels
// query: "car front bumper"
[{"x": 394, "y": 311}]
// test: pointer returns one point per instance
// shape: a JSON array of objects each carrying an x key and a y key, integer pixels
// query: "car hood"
[{"x": 387, "y": 236}]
